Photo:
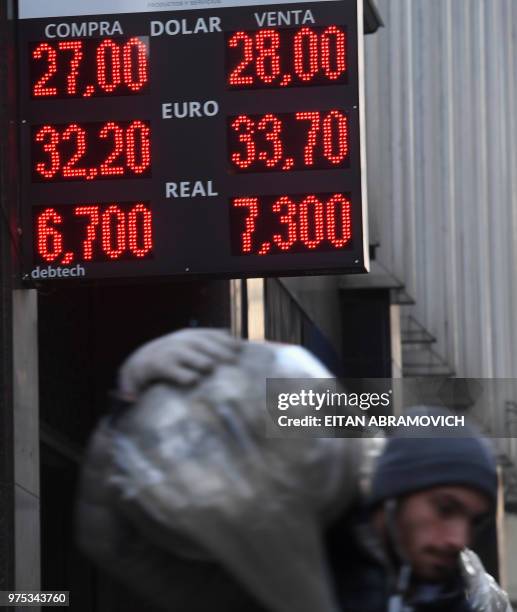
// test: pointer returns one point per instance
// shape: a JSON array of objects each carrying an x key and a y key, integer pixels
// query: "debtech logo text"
[{"x": 59, "y": 272}]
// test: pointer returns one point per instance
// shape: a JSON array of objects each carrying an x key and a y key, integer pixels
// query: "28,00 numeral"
[{"x": 281, "y": 58}]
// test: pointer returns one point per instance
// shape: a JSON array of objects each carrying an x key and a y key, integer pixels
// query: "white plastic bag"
[{"x": 191, "y": 474}]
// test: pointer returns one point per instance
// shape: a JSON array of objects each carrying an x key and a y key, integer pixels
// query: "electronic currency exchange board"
[{"x": 190, "y": 137}]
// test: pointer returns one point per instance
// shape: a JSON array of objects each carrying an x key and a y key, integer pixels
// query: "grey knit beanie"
[{"x": 449, "y": 456}]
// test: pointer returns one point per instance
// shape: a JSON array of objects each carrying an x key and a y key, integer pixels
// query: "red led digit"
[
  {"x": 252, "y": 205},
  {"x": 113, "y": 231},
  {"x": 91, "y": 230},
  {"x": 49, "y": 136},
  {"x": 338, "y": 213},
  {"x": 335, "y": 136},
  {"x": 267, "y": 63},
  {"x": 273, "y": 135},
  {"x": 76, "y": 47},
  {"x": 136, "y": 73},
  {"x": 140, "y": 238},
  {"x": 49, "y": 239},
  {"x": 303, "y": 223},
  {"x": 236, "y": 77},
  {"x": 311, "y": 223},
  {"x": 109, "y": 74},
  {"x": 334, "y": 64},
  {"x": 304, "y": 56},
  {"x": 107, "y": 168},
  {"x": 73, "y": 131},
  {"x": 89, "y": 67},
  {"x": 288, "y": 219},
  {"x": 274, "y": 141},
  {"x": 314, "y": 127},
  {"x": 246, "y": 137},
  {"x": 306, "y": 63},
  {"x": 126, "y": 152},
  {"x": 138, "y": 131},
  {"x": 40, "y": 89}
]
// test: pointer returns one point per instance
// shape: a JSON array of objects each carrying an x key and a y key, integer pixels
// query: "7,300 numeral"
[{"x": 307, "y": 224}]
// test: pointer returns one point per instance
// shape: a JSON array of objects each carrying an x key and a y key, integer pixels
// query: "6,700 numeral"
[{"x": 93, "y": 232}]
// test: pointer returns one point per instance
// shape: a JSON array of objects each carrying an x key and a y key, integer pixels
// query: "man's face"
[{"x": 435, "y": 525}]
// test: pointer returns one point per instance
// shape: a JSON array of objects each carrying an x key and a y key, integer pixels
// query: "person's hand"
[{"x": 180, "y": 358}]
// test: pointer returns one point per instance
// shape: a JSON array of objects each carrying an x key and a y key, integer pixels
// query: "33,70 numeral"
[{"x": 263, "y": 142}]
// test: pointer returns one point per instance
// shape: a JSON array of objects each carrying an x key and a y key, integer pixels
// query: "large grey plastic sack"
[{"x": 189, "y": 477}]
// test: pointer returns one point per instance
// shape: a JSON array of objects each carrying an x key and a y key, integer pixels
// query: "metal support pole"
[
  {"x": 256, "y": 308},
  {"x": 7, "y": 538},
  {"x": 26, "y": 441},
  {"x": 19, "y": 418}
]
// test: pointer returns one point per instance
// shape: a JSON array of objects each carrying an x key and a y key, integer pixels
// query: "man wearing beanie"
[
  {"x": 407, "y": 545},
  {"x": 402, "y": 546}
]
